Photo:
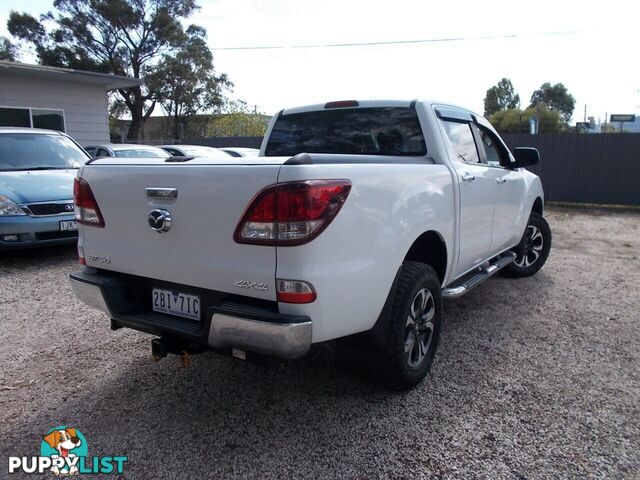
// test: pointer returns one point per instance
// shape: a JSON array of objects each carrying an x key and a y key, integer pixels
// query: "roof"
[
  {"x": 110, "y": 82},
  {"x": 361, "y": 103},
  {"x": 376, "y": 104}
]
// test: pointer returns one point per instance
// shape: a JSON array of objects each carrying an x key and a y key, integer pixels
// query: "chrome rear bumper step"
[{"x": 476, "y": 277}]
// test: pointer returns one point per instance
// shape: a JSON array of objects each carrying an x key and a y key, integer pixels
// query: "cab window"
[
  {"x": 494, "y": 151},
  {"x": 461, "y": 138}
]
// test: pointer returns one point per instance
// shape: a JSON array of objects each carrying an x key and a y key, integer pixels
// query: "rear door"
[
  {"x": 476, "y": 185},
  {"x": 198, "y": 249}
]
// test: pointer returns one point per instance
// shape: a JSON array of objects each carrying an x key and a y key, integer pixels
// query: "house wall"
[{"x": 84, "y": 105}]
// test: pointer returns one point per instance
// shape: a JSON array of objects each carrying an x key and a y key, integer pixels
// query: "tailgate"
[{"x": 198, "y": 249}]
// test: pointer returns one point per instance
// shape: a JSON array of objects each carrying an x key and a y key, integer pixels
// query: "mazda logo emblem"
[
  {"x": 69, "y": 207},
  {"x": 159, "y": 220}
]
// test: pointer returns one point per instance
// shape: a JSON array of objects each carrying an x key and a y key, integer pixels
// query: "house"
[{"x": 72, "y": 101}]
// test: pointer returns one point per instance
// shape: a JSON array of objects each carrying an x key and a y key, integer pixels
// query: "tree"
[
  {"x": 517, "y": 121},
  {"x": 185, "y": 83},
  {"x": 124, "y": 37},
  {"x": 239, "y": 121},
  {"x": 501, "y": 96},
  {"x": 8, "y": 51},
  {"x": 556, "y": 97}
]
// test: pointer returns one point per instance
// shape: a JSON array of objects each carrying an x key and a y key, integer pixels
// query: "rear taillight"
[
  {"x": 86, "y": 207},
  {"x": 292, "y": 213}
]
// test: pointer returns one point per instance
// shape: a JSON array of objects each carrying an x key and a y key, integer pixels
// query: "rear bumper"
[{"x": 228, "y": 321}]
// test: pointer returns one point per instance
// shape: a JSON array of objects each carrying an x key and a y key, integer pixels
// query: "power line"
[{"x": 400, "y": 42}]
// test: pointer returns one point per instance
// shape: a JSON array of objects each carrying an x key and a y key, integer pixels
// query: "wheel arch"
[
  {"x": 430, "y": 248},
  {"x": 538, "y": 206}
]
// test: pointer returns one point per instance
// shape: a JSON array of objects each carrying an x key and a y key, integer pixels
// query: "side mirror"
[{"x": 525, "y": 157}]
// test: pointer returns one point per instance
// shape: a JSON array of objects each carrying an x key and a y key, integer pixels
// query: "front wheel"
[{"x": 533, "y": 250}]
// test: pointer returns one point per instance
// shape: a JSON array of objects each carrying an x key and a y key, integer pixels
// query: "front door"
[{"x": 507, "y": 192}]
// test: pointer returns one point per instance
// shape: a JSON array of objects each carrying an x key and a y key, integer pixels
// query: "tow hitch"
[{"x": 161, "y": 347}]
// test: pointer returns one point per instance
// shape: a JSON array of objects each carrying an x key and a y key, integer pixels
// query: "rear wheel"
[
  {"x": 533, "y": 250},
  {"x": 414, "y": 325}
]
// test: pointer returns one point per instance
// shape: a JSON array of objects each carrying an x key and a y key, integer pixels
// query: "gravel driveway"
[{"x": 534, "y": 378}]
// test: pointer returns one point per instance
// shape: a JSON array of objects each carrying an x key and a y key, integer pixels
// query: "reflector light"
[
  {"x": 81, "y": 255},
  {"x": 295, "y": 291},
  {"x": 292, "y": 213},
  {"x": 86, "y": 207}
]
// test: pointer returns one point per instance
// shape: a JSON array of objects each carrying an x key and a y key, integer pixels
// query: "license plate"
[
  {"x": 67, "y": 225},
  {"x": 176, "y": 303}
]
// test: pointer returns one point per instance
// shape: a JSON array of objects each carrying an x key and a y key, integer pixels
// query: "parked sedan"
[
  {"x": 126, "y": 150},
  {"x": 37, "y": 168},
  {"x": 195, "y": 151},
  {"x": 241, "y": 151}
]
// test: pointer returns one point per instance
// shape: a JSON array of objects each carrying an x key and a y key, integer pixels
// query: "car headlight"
[{"x": 9, "y": 207}]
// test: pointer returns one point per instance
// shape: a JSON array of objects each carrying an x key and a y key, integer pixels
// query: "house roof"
[{"x": 110, "y": 82}]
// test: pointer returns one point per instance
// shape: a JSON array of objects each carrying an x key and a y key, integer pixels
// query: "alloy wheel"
[
  {"x": 533, "y": 244},
  {"x": 419, "y": 327}
]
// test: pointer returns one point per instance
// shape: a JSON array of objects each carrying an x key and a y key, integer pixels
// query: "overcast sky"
[{"x": 591, "y": 47}]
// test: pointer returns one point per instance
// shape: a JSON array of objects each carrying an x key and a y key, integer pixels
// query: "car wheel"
[
  {"x": 533, "y": 250},
  {"x": 414, "y": 324}
]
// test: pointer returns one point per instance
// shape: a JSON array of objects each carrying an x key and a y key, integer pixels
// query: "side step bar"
[{"x": 476, "y": 277}]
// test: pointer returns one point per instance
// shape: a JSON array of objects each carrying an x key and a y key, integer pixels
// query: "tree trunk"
[
  {"x": 136, "y": 109},
  {"x": 176, "y": 125}
]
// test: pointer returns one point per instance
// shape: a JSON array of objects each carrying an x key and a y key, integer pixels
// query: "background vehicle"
[
  {"x": 354, "y": 224},
  {"x": 194, "y": 151},
  {"x": 125, "y": 150},
  {"x": 241, "y": 151},
  {"x": 37, "y": 168}
]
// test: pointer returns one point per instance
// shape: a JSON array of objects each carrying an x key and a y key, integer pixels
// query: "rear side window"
[
  {"x": 358, "y": 131},
  {"x": 462, "y": 141}
]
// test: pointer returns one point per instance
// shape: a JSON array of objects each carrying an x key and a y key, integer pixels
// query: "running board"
[{"x": 476, "y": 277}]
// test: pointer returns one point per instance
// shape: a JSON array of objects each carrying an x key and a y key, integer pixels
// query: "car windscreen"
[
  {"x": 357, "y": 131},
  {"x": 141, "y": 153},
  {"x": 37, "y": 151}
]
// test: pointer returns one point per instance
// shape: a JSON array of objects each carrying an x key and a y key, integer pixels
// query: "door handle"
[
  {"x": 467, "y": 177},
  {"x": 501, "y": 180}
]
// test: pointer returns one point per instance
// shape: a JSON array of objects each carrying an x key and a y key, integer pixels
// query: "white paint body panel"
[
  {"x": 352, "y": 264},
  {"x": 199, "y": 249}
]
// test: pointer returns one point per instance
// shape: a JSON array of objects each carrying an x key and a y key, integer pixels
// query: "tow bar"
[{"x": 162, "y": 347}]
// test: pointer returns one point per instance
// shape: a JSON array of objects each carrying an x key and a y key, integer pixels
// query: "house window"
[
  {"x": 14, "y": 117},
  {"x": 52, "y": 119}
]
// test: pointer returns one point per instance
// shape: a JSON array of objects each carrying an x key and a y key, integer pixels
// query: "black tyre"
[
  {"x": 414, "y": 324},
  {"x": 533, "y": 250}
]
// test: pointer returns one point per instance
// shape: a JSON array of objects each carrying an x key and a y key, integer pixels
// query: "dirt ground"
[{"x": 534, "y": 378}]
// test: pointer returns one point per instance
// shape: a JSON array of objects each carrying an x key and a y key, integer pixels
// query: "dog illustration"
[{"x": 63, "y": 441}]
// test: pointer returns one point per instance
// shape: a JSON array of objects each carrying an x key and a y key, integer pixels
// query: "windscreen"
[
  {"x": 29, "y": 151},
  {"x": 358, "y": 131}
]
